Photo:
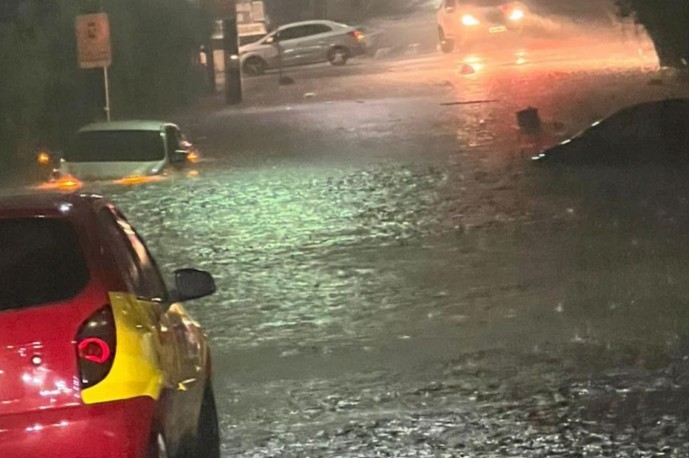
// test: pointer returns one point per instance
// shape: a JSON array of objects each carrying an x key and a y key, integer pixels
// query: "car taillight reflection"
[
  {"x": 95, "y": 345},
  {"x": 139, "y": 179},
  {"x": 60, "y": 182},
  {"x": 68, "y": 183}
]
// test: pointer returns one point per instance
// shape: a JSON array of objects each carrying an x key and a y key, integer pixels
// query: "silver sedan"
[{"x": 303, "y": 43}]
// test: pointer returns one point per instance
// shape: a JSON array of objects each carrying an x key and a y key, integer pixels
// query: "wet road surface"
[{"x": 395, "y": 279}]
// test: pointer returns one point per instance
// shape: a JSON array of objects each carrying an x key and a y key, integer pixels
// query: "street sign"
[
  {"x": 258, "y": 12},
  {"x": 93, "y": 40},
  {"x": 256, "y": 28},
  {"x": 93, "y": 47}
]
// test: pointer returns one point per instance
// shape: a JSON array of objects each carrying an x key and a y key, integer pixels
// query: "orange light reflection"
[
  {"x": 470, "y": 65},
  {"x": 193, "y": 157},
  {"x": 138, "y": 179},
  {"x": 66, "y": 183},
  {"x": 43, "y": 158}
]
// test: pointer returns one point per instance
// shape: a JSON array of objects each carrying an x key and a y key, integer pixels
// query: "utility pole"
[
  {"x": 233, "y": 71},
  {"x": 282, "y": 79},
  {"x": 227, "y": 11},
  {"x": 210, "y": 65}
]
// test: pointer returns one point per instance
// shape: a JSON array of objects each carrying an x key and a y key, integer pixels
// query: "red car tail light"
[
  {"x": 94, "y": 349},
  {"x": 357, "y": 34},
  {"x": 95, "y": 345}
]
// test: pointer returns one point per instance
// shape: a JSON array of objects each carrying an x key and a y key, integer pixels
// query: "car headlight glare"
[
  {"x": 516, "y": 15},
  {"x": 469, "y": 20}
]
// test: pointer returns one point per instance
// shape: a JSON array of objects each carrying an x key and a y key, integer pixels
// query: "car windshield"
[
  {"x": 268, "y": 37},
  {"x": 40, "y": 262},
  {"x": 116, "y": 146},
  {"x": 249, "y": 39}
]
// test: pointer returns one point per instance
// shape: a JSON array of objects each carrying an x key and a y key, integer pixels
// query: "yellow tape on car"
[{"x": 136, "y": 370}]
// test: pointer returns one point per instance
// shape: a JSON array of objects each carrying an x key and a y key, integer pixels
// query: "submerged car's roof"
[
  {"x": 45, "y": 203},
  {"x": 673, "y": 101},
  {"x": 257, "y": 44},
  {"x": 126, "y": 125},
  {"x": 312, "y": 22}
]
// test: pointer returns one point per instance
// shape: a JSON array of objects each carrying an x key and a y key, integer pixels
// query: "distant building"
[
  {"x": 286, "y": 11},
  {"x": 252, "y": 23}
]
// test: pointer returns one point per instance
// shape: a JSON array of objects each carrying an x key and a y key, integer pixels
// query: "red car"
[{"x": 97, "y": 358}]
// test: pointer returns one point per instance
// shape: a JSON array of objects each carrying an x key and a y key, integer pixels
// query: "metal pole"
[
  {"x": 280, "y": 73},
  {"x": 282, "y": 79},
  {"x": 233, "y": 76},
  {"x": 107, "y": 93},
  {"x": 210, "y": 66}
]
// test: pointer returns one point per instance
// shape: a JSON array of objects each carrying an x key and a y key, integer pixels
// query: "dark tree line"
[
  {"x": 285, "y": 11},
  {"x": 667, "y": 22},
  {"x": 45, "y": 97}
]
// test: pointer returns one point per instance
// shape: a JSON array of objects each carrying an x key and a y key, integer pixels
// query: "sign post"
[
  {"x": 107, "y": 93},
  {"x": 94, "y": 49}
]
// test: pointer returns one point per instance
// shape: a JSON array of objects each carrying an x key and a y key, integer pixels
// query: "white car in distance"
[{"x": 303, "y": 43}]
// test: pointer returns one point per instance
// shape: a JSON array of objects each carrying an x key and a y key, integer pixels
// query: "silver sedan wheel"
[{"x": 338, "y": 56}]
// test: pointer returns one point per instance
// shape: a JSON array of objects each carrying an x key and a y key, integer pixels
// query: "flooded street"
[
  {"x": 435, "y": 228},
  {"x": 396, "y": 279}
]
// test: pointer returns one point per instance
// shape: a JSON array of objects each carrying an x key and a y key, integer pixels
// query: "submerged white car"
[
  {"x": 121, "y": 149},
  {"x": 303, "y": 43}
]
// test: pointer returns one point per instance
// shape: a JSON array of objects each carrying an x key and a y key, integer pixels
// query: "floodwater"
[{"x": 396, "y": 279}]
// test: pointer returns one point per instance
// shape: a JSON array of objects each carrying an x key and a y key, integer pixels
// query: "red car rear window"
[{"x": 40, "y": 262}]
